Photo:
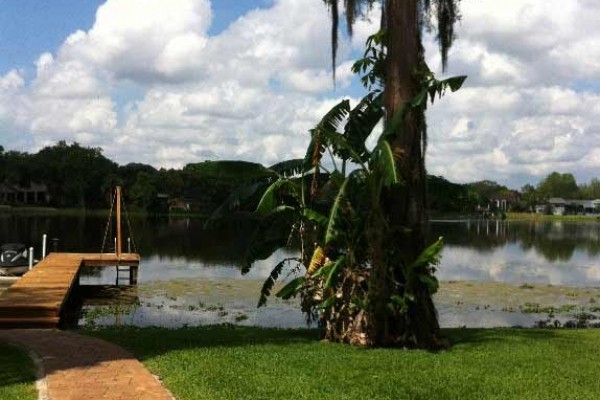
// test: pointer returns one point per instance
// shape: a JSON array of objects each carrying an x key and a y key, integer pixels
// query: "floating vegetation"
[
  {"x": 114, "y": 311},
  {"x": 178, "y": 302},
  {"x": 535, "y": 308},
  {"x": 526, "y": 286},
  {"x": 548, "y": 323},
  {"x": 240, "y": 317}
]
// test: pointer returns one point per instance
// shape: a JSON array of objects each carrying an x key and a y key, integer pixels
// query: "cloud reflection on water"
[{"x": 484, "y": 251}]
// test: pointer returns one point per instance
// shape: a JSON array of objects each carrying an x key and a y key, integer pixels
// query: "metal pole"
[
  {"x": 116, "y": 246},
  {"x": 129, "y": 245},
  {"x": 44, "y": 239},
  {"x": 30, "y": 257}
]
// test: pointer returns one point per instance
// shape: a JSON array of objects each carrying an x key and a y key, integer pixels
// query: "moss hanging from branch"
[{"x": 445, "y": 12}]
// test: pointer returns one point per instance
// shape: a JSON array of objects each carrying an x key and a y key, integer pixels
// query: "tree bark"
[{"x": 406, "y": 208}]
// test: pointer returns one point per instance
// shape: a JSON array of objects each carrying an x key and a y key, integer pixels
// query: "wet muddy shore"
[{"x": 189, "y": 302}]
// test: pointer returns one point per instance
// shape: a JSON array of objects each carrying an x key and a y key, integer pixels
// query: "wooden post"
[
  {"x": 133, "y": 274},
  {"x": 119, "y": 220}
]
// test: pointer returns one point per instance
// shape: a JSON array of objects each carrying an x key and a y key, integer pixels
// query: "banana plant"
[{"x": 330, "y": 202}]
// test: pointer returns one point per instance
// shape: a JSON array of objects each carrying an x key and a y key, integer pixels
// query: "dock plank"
[{"x": 39, "y": 296}]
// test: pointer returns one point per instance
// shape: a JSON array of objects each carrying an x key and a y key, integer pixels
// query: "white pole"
[
  {"x": 129, "y": 245},
  {"x": 30, "y": 257},
  {"x": 115, "y": 245},
  {"x": 44, "y": 239}
]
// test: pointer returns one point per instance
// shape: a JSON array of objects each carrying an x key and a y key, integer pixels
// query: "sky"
[{"x": 169, "y": 82}]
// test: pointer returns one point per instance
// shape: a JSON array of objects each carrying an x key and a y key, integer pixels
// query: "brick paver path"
[{"x": 78, "y": 367}]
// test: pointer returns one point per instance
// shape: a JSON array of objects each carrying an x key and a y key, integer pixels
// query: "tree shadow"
[
  {"x": 148, "y": 343},
  {"x": 61, "y": 350},
  {"x": 82, "y": 349},
  {"x": 474, "y": 337},
  {"x": 151, "y": 342},
  {"x": 16, "y": 367}
]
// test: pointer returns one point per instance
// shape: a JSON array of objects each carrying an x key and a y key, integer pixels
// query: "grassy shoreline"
[
  {"x": 543, "y": 217},
  {"x": 511, "y": 216},
  {"x": 79, "y": 212},
  {"x": 225, "y": 362}
]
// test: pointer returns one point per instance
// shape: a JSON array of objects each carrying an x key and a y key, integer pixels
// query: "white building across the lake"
[{"x": 560, "y": 206}]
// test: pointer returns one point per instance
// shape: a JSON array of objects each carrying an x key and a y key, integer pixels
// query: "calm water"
[
  {"x": 190, "y": 275},
  {"x": 557, "y": 253}
]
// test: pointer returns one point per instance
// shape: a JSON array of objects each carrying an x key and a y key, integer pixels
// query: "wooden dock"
[{"x": 38, "y": 298}]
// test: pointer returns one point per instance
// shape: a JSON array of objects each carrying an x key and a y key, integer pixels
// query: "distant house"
[
  {"x": 505, "y": 201},
  {"x": 586, "y": 206},
  {"x": 560, "y": 206},
  {"x": 35, "y": 193}
]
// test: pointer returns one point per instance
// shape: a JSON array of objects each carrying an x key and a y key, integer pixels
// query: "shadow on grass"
[
  {"x": 474, "y": 337},
  {"x": 15, "y": 367},
  {"x": 150, "y": 342}
]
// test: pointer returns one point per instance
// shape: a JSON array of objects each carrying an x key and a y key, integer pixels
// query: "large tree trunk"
[{"x": 405, "y": 208}]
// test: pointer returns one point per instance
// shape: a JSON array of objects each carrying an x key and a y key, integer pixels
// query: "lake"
[{"x": 492, "y": 273}]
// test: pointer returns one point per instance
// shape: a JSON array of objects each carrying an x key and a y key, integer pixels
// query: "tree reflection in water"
[
  {"x": 554, "y": 241},
  {"x": 187, "y": 240}
]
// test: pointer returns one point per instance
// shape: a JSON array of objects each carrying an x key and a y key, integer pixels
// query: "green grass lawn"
[
  {"x": 17, "y": 374},
  {"x": 252, "y": 363}
]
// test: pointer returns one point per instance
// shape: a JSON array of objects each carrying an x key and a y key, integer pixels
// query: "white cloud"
[
  {"x": 144, "y": 40},
  {"x": 11, "y": 82},
  {"x": 247, "y": 93},
  {"x": 224, "y": 121},
  {"x": 255, "y": 99},
  {"x": 253, "y": 90},
  {"x": 528, "y": 131},
  {"x": 10, "y": 87},
  {"x": 525, "y": 119}
]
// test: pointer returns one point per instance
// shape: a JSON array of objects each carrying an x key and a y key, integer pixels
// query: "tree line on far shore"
[{"x": 82, "y": 177}]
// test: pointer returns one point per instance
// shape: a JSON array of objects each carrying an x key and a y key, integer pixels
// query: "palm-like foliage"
[
  {"x": 395, "y": 71},
  {"x": 337, "y": 210},
  {"x": 340, "y": 222}
]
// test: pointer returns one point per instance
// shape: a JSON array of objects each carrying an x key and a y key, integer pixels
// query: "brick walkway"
[{"x": 78, "y": 367}]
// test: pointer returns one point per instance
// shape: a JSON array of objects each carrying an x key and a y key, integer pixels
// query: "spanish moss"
[
  {"x": 352, "y": 8},
  {"x": 335, "y": 19},
  {"x": 446, "y": 13}
]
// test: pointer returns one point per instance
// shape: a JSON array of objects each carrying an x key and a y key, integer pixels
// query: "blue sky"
[
  {"x": 168, "y": 82},
  {"x": 29, "y": 28}
]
